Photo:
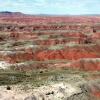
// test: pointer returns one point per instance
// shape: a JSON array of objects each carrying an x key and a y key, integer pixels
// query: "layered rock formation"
[
  {"x": 28, "y": 43},
  {"x": 44, "y": 38}
]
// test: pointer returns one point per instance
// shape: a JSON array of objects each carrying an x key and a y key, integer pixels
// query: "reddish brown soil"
[
  {"x": 79, "y": 36},
  {"x": 92, "y": 64}
]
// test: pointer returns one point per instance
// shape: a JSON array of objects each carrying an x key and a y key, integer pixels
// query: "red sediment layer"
[
  {"x": 86, "y": 64},
  {"x": 68, "y": 53}
]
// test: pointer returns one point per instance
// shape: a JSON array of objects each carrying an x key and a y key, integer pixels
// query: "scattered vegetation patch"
[
  {"x": 7, "y": 78},
  {"x": 43, "y": 76}
]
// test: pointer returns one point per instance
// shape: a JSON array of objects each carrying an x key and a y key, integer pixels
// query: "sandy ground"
[
  {"x": 4, "y": 65},
  {"x": 57, "y": 91}
]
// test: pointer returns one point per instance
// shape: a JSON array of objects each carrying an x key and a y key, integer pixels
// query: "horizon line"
[{"x": 47, "y": 14}]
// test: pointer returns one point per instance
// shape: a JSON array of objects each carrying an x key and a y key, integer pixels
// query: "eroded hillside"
[{"x": 31, "y": 43}]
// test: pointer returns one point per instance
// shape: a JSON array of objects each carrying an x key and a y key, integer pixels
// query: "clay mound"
[{"x": 90, "y": 64}]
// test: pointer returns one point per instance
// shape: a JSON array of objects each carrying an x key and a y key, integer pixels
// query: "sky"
[{"x": 59, "y": 7}]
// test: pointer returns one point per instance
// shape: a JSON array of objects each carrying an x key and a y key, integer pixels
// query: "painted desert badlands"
[{"x": 49, "y": 57}]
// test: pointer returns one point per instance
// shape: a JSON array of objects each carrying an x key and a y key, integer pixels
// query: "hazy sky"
[{"x": 51, "y": 6}]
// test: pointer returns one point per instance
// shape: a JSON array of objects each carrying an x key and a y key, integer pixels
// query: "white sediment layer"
[{"x": 57, "y": 91}]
